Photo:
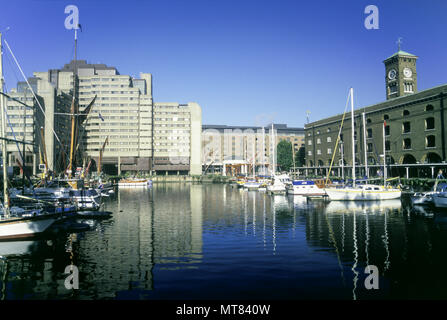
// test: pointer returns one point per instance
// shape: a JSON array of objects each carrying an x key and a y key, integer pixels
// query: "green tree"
[
  {"x": 284, "y": 156},
  {"x": 300, "y": 157}
]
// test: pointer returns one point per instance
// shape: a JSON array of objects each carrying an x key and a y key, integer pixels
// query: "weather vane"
[{"x": 399, "y": 42}]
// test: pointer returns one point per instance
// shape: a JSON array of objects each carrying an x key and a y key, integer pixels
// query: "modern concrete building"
[
  {"x": 230, "y": 149},
  {"x": 39, "y": 114},
  {"x": 414, "y": 124},
  {"x": 142, "y": 137},
  {"x": 177, "y": 138}
]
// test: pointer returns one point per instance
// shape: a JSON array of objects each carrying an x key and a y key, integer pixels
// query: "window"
[
  {"x": 329, "y": 151},
  {"x": 369, "y": 133},
  {"x": 406, "y": 113},
  {"x": 329, "y": 139},
  {"x": 318, "y": 151},
  {"x": 392, "y": 88},
  {"x": 341, "y": 137},
  {"x": 387, "y": 130},
  {"x": 328, "y": 129},
  {"x": 387, "y": 146},
  {"x": 429, "y": 108},
  {"x": 368, "y": 120},
  {"x": 318, "y": 141},
  {"x": 406, "y": 127},
  {"x": 369, "y": 147},
  {"x": 407, "y": 144},
  {"x": 385, "y": 117},
  {"x": 408, "y": 87},
  {"x": 429, "y": 123},
  {"x": 430, "y": 142},
  {"x": 309, "y": 153},
  {"x": 309, "y": 142}
]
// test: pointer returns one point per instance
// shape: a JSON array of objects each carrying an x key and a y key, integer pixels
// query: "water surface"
[{"x": 211, "y": 241}]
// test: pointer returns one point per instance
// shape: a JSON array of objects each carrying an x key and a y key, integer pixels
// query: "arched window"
[
  {"x": 429, "y": 108},
  {"x": 406, "y": 127},
  {"x": 406, "y": 113},
  {"x": 430, "y": 142},
  {"x": 385, "y": 117},
  {"x": 429, "y": 123},
  {"x": 407, "y": 144},
  {"x": 368, "y": 120},
  {"x": 369, "y": 133}
]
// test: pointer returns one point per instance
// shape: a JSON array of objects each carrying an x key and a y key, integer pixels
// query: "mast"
[
  {"x": 273, "y": 151},
  {"x": 254, "y": 156},
  {"x": 73, "y": 112},
  {"x": 3, "y": 134},
  {"x": 263, "y": 151},
  {"x": 23, "y": 152},
  {"x": 342, "y": 161},
  {"x": 364, "y": 145},
  {"x": 352, "y": 130},
  {"x": 384, "y": 155}
]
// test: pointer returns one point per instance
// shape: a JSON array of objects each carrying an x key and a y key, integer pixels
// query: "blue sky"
[{"x": 245, "y": 62}]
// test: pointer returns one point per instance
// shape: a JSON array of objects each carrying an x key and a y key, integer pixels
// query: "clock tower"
[{"x": 400, "y": 74}]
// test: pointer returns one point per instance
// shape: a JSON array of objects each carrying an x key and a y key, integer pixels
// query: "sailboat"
[
  {"x": 364, "y": 191},
  {"x": 16, "y": 222},
  {"x": 252, "y": 184},
  {"x": 278, "y": 185}
]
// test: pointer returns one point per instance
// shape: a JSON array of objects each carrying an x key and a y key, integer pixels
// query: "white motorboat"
[
  {"x": 134, "y": 183},
  {"x": 422, "y": 198},
  {"x": 439, "y": 199},
  {"x": 252, "y": 185},
  {"x": 278, "y": 186},
  {"x": 305, "y": 188},
  {"x": 426, "y": 198}
]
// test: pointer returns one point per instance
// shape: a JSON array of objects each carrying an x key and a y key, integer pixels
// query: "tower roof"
[{"x": 402, "y": 53}]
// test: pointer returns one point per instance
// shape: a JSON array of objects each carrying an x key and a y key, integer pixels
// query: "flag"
[
  {"x": 384, "y": 123},
  {"x": 100, "y": 116}
]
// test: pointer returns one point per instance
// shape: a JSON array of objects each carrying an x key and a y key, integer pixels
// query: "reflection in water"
[{"x": 188, "y": 241}]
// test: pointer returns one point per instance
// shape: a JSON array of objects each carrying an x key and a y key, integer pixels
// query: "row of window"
[
  {"x": 385, "y": 117},
  {"x": 430, "y": 142}
]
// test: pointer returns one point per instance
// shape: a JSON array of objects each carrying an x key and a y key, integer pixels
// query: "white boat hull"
[
  {"x": 308, "y": 192},
  {"x": 362, "y": 195},
  {"x": 25, "y": 227},
  {"x": 440, "y": 200}
]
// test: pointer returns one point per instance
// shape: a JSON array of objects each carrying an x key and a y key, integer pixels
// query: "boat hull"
[
  {"x": 440, "y": 200},
  {"x": 26, "y": 227},
  {"x": 361, "y": 195}
]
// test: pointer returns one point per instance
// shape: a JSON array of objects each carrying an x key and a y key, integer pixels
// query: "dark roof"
[
  {"x": 280, "y": 127},
  {"x": 82, "y": 64}
]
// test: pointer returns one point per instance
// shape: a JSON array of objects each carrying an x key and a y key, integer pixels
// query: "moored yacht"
[
  {"x": 363, "y": 192},
  {"x": 305, "y": 188}
]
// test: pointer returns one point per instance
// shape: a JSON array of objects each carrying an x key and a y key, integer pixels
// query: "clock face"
[
  {"x": 392, "y": 74},
  {"x": 407, "y": 73}
]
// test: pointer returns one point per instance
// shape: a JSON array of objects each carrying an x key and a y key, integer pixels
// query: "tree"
[
  {"x": 284, "y": 155},
  {"x": 300, "y": 157}
]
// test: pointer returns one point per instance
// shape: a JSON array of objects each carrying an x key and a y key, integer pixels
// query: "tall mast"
[
  {"x": 73, "y": 112},
  {"x": 263, "y": 151},
  {"x": 352, "y": 130},
  {"x": 364, "y": 145},
  {"x": 384, "y": 156},
  {"x": 3, "y": 135},
  {"x": 254, "y": 155}
]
